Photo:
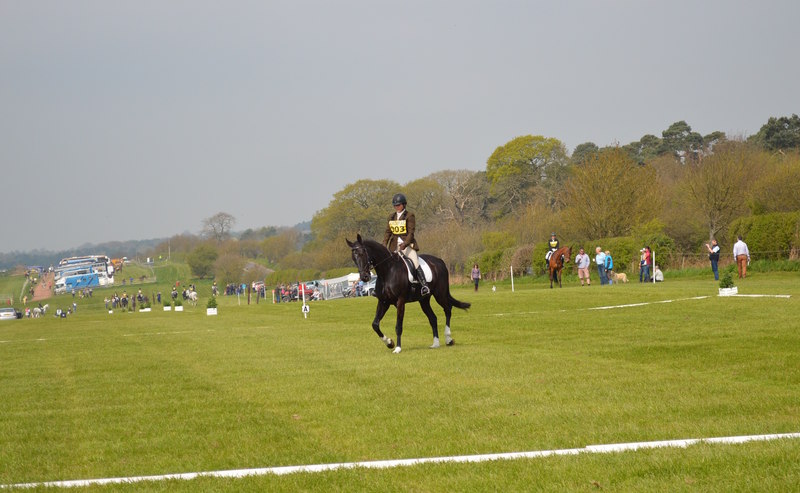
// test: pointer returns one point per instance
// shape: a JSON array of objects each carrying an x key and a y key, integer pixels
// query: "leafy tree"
[
  {"x": 678, "y": 214},
  {"x": 522, "y": 164},
  {"x": 780, "y": 133},
  {"x": 332, "y": 254},
  {"x": 454, "y": 243},
  {"x": 361, "y": 207},
  {"x": 602, "y": 195},
  {"x": 718, "y": 185},
  {"x": 583, "y": 152},
  {"x": 258, "y": 234},
  {"x": 645, "y": 149},
  {"x": 776, "y": 191},
  {"x": 176, "y": 247},
  {"x": 426, "y": 197},
  {"x": 534, "y": 223},
  {"x": 229, "y": 268},
  {"x": 279, "y": 246},
  {"x": 680, "y": 141},
  {"x": 249, "y": 248},
  {"x": 218, "y": 226},
  {"x": 712, "y": 139},
  {"x": 201, "y": 260}
]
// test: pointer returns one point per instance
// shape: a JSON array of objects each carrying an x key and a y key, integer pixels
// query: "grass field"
[{"x": 128, "y": 394}]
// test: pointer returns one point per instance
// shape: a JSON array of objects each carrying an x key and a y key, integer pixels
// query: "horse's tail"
[{"x": 458, "y": 304}]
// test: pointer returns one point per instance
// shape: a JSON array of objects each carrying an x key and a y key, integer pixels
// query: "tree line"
[{"x": 676, "y": 191}]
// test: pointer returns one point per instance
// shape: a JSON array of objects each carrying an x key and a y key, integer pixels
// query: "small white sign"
[
  {"x": 179, "y": 308},
  {"x": 211, "y": 311},
  {"x": 145, "y": 310},
  {"x": 167, "y": 308}
]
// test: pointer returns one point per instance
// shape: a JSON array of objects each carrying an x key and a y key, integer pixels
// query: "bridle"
[{"x": 370, "y": 262}]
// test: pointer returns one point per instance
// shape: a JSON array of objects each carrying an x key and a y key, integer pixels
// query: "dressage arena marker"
[{"x": 385, "y": 464}]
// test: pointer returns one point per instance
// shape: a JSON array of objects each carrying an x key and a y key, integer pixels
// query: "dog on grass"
[{"x": 620, "y": 277}]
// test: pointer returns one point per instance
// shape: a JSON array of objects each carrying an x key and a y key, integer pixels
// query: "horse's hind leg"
[
  {"x": 425, "y": 303},
  {"x": 444, "y": 302},
  {"x": 376, "y": 323}
]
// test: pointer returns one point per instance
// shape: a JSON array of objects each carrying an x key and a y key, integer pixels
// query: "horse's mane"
[{"x": 376, "y": 248}]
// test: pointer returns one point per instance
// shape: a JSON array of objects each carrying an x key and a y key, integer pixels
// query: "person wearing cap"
[
  {"x": 647, "y": 262},
  {"x": 552, "y": 246},
  {"x": 399, "y": 237}
]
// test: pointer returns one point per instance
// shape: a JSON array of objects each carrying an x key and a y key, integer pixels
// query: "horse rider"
[
  {"x": 399, "y": 237},
  {"x": 552, "y": 246}
]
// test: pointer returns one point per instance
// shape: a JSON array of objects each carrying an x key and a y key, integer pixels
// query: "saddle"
[{"x": 426, "y": 269}]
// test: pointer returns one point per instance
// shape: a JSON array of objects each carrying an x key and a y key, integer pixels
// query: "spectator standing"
[
  {"x": 476, "y": 276},
  {"x": 647, "y": 261},
  {"x": 713, "y": 256},
  {"x": 600, "y": 260},
  {"x": 742, "y": 256},
  {"x": 582, "y": 261},
  {"x": 641, "y": 265},
  {"x": 609, "y": 263}
]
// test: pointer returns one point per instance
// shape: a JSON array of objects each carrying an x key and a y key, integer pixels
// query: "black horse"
[
  {"x": 393, "y": 287},
  {"x": 556, "y": 264}
]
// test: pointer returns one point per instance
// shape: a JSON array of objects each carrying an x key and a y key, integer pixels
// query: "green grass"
[
  {"x": 11, "y": 285},
  {"x": 127, "y": 394}
]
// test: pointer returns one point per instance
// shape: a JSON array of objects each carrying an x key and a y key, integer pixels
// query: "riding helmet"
[{"x": 398, "y": 199}]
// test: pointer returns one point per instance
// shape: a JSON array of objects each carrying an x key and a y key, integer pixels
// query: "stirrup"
[{"x": 424, "y": 290}]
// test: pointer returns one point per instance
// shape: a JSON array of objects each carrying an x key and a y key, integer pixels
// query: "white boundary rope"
[{"x": 385, "y": 464}]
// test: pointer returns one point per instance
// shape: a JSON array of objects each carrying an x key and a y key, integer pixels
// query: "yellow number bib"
[{"x": 398, "y": 227}]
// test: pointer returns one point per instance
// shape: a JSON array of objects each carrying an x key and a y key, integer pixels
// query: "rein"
[{"x": 370, "y": 262}]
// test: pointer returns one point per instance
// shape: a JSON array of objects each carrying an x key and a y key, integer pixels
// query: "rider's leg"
[{"x": 412, "y": 254}]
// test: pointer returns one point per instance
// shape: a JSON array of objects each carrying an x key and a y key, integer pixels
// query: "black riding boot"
[{"x": 424, "y": 290}]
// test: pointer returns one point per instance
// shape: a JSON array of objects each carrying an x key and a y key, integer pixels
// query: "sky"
[{"x": 135, "y": 120}]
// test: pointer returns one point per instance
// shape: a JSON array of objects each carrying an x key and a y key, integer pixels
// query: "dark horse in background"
[
  {"x": 393, "y": 287},
  {"x": 556, "y": 264}
]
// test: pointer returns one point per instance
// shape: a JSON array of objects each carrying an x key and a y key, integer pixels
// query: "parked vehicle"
[
  {"x": 369, "y": 288},
  {"x": 9, "y": 313}
]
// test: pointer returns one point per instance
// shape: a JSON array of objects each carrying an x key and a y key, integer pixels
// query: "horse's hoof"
[
  {"x": 450, "y": 342},
  {"x": 389, "y": 343},
  {"x": 397, "y": 350},
  {"x": 435, "y": 345}
]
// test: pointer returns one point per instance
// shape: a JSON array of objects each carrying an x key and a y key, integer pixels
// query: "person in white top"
[
  {"x": 742, "y": 256},
  {"x": 600, "y": 260},
  {"x": 582, "y": 261},
  {"x": 713, "y": 256}
]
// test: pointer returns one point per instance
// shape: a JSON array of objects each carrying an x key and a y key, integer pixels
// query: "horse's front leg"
[
  {"x": 383, "y": 306},
  {"x": 398, "y": 327}
]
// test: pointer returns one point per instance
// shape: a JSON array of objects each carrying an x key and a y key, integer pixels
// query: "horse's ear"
[
  {"x": 358, "y": 238},
  {"x": 349, "y": 243}
]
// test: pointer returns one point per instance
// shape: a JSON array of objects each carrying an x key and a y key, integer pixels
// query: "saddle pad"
[{"x": 426, "y": 269}]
